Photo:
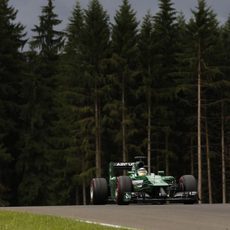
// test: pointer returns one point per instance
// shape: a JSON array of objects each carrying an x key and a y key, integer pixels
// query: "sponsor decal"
[
  {"x": 123, "y": 164},
  {"x": 137, "y": 182}
]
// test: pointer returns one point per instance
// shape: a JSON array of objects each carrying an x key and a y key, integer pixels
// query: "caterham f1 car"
[{"x": 129, "y": 182}]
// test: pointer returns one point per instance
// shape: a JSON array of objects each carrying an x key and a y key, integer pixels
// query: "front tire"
[
  {"x": 124, "y": 184},
  {"x": 188, "y": 183},
  {"x": 98, "y": 191}
]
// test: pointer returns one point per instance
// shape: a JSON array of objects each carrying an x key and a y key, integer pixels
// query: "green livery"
[{"x": 129, "y": 182}]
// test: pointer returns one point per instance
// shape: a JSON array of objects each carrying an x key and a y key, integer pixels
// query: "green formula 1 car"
[{"x": 129, "y": 182}]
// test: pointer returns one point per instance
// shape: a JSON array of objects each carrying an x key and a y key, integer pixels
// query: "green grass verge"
[{"x": 10, "y": 220}]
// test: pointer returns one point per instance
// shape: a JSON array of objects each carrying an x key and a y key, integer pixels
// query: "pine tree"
[
  {"x": 125, "y": 58},
  {"x": 185, "y": 119},
  {"x": 95, "y": 49},
  {"x": 165, "y": 50},
  {"x": 77, "y": 113},
  {"x": 83, "y": 82},
  {"x": 147, "y": 63},
  {"x": 220, "y": 88},
  {"x": 11, "y": 72},
  {"x": 37, "y": 165},
  {"x": 202, "y": 29},
  {"x": 225, "y": 110},
  {"x": 186, "y": 99},
  {"x": 73, "y": 97}
]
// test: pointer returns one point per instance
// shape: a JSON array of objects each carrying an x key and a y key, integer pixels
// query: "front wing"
[{"x": 179, "y": 197}]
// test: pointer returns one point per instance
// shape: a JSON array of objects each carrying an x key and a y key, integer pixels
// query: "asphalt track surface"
[{"x": 146, "y": 217}]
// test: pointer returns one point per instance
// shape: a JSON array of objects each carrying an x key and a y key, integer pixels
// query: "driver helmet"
[{"x": 142, "y": 172}]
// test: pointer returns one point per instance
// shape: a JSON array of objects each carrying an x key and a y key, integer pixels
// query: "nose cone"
[{"x": 156, "y": 180}]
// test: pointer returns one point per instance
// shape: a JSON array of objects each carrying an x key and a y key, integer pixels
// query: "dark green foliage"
[
  {"x": 165, "y": 36},
  {"x": 126, "y": 79},
  {"x": 146, "y": 104},
  {"x": 220, "y": 93},
  {"x": 124, "y": 34},
  {"x": 95, "y": 51},
  {"x": 77, "y": 113},
  {"x": 11, "y": 72},
  {"x": 73, "y": 97},
  {"x": 224, "y": 62},
  {"x": 83, "y": 80},
  {"x": 185, "y": 114},
  {"x": 146, "y": 44},
  {"x": 48, "y": 40},
  {"x": 203, "y": 31},
  {"x": 39, "y": 159}
]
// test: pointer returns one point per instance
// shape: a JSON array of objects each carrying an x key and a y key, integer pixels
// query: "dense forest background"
[{"x": 100, "y": 91}]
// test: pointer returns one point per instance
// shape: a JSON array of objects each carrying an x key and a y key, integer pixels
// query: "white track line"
[{"x": 106, "y": 225}]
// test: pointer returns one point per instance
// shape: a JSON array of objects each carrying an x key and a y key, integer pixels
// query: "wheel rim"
[
  {"x": 91, "y": 193},
  {"x": 116, "y": 193}
]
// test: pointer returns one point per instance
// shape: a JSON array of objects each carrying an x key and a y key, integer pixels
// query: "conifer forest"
[{"x": 108, "y": 89}]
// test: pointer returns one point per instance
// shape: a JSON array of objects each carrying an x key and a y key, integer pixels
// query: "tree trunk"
[
  {"x": 124, "y": 155},
  {"x": 192, "y": 157},
  {"x": 166, "y": 154},
  {"x": 208, "y": 161},
  {"x": 223, "y": 155},
  {"x": 149, "y": 138},
  {"x": 149, "y": 125},
  {"x": 77, "y": 194},
  {"x": 84, "y": 192},
  {"x": 97, "y": 133},
  {"x": 199, "y": 127}
]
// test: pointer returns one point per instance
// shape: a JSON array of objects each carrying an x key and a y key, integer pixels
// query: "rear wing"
[
  {"x": 122, "y": 165},
  {"x": 116, "y": 168}
]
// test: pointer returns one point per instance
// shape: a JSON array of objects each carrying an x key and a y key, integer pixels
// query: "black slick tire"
[
  {"x": 124, "y": 184},
  {"x": 188, "y": 183},
  {"x": 98, "y": 191}
]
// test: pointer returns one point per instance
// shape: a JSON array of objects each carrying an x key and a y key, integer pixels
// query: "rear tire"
[
  {"x": 124, "y": 184},
  {"x": 98, "y": 191}
]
